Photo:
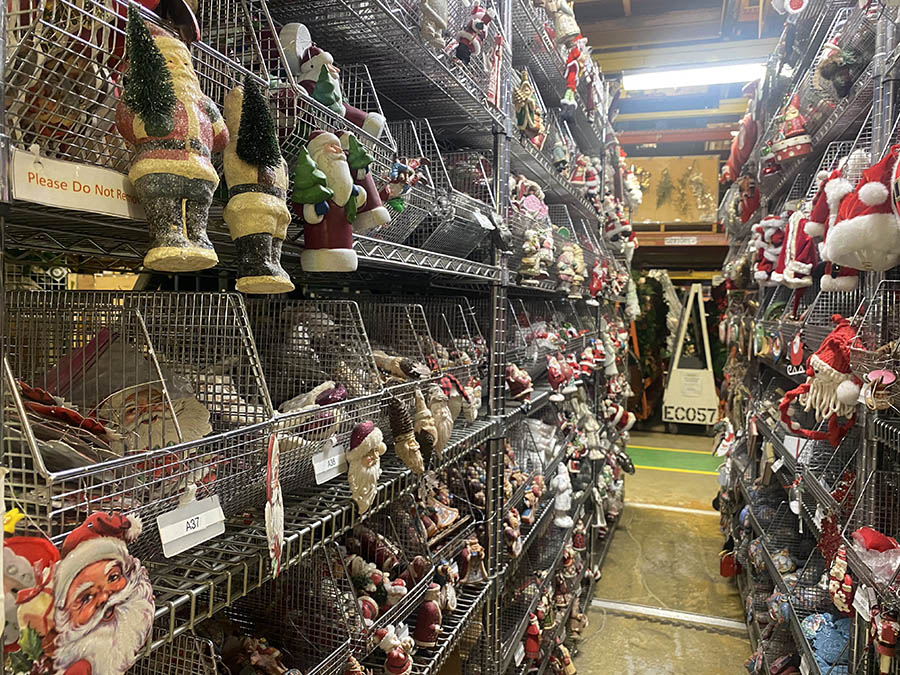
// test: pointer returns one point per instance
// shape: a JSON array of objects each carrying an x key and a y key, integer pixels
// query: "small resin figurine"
[
  {"x": 512, "y": 534},
  {"x": 519, "y": 382},
  {"x": 364, "y": 458},
  {"x": 562, "y": 486},
  {"x": 532, "y": 638},
  {"x": 471, "y": 564},
  {"x": 579, "y": 538},
  {"x": 429, "y": 618},
  {"x": 405, "y": 445},
  {"x": 424, "y": 427}
]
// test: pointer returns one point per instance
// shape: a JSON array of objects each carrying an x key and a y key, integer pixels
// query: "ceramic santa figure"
[
  {"x": 470, "y": 37},
  {"x": 429, "y": 618},
  {"x": 579, "y": 537},
  {"x": 256, "y": 214},
  {"x": 397, "y": 649},
  {"x": 793, "y": 141},
  {"x": 471, "y": 564},
  {"x": 405, "y": 445},
  {"x": 562, "y": 503},
  {"x": 519, "y": 383},
  {"x": 532, "y": 640},
  {"x": 327, "y": 200},
  {"x": 364, "y": 460},
  {"x": 173, "y": 129}
]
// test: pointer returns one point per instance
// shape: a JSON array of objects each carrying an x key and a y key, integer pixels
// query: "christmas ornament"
[
  {"x": 792, "y": 141},
  {"x": 439, "y": 405},
  {"x": 529, "y": 120},
  {"x": 327, "y": 200},
  {"x": 366, "y": 448},
  {"x": 579, "y": 537},
  {"x": 274, "y": 511},
  {"x": 797, "y": 357},
  {"x": 831, "y": 390},
  {"x": 173, "y": 129},
  {"x": 840, "y": 583},
  {"x": 424, "y": 427},
  {"x": 256, "y": 214},
  {"x": 405, "y": 445},
  {"x": 470, "y": 37},
  {"x": 471, "y": 564}
]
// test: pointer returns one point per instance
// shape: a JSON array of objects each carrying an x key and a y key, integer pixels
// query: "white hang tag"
[
  {"x": 776, "y": 467},
  {"x": 520, "y": 654},
  {"x": 804, "y": 665},
  {"x": 331, "y": 462},
  {"x": 483, "y": 221},
  {"x": 190, "y": 525},
  {"x": 862, "y": 602},
  {"x": 794, "y": 445}
]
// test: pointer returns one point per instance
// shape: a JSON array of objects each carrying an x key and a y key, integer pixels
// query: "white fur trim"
[
  {"x": 135, "y": 527},
  {"x": 872, "y": 193},
  {"x": 86, "y": 553},
  {"x": 869, "y": 242},
  {"x": 776, "y": 277},
  {"x": 822, "y": 176},
  {"x": 848, "y": 392},
  {"x": 799, "y": 267},
  {"x": 369, "y": 220},
  {"x": 328, "y": 260},
  {"x": 835, "y": 191},
  {"x": 772, "y": 253},
  {"x": 630, "y": 423},
  {"x": 791, "y": 10},
  {"x": 839, "y": 284},
  {"x": 814, "y": 229},
  {"x": 374, "y": 124},
  {"x": 368, "y": 444}
]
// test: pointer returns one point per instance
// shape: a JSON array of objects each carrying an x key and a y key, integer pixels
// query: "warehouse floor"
[{"x": 661, "y": 606}]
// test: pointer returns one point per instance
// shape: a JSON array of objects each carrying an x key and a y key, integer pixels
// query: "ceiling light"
[{"x": 693, "y": 77}]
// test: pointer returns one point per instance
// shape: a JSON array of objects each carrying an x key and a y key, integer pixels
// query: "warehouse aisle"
[{"x": 651, "y": 615}]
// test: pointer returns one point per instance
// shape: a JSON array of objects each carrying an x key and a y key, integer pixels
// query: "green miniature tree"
[
  {"x": 257, "y": 142},
  {"x": 327, "y": 92},
  {"x": 310, "y": 184},
  {"x": 149, "y": 91},
  {"x": 358, "y": 155}
]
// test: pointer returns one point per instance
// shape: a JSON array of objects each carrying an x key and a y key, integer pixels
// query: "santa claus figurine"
[
  {"x": 471, "y": 563},
  {"x": 532, "y": 640},
  {"x": 562, "y": 504},
  {"x": 397, "y": 648},
  {"x": 364, "y": 459},
  {"x": 428, "y": 619},
  {"x": 173, "y": 129},
  {"x": 256, "y": 214},
  {"x": 469, "y": 39},
  {"x": 102, "y": 600},
  {"x": 884, "y": 630},
  {"x": 328, "y": 202},
  {"x": 575, "y": 59}
]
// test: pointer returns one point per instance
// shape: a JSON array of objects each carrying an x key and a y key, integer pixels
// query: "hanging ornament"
[
  {"x": 797, "y": 349},
  {"x": 274, "y": 506}
]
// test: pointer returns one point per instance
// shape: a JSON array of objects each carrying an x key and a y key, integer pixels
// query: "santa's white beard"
[
  {"x": 337, "y": 171},
  {"x": 110, "y": 646},
  {"x": 443, "y": 422},
  {"x": 363, "y": 483}
]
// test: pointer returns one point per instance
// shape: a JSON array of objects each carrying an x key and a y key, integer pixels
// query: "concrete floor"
[{"x": 665, "y": 559}]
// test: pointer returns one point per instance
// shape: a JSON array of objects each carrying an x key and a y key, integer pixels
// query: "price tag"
[
  {"x": 777, "y": 465},
  {"x": 862, "y": 603},
  {"x": 794, "y": 445},
  {"x": 331, "y": 462},
  {"x": 804, "y": 665},
  {"x": 483, "y": 220},
  {"x": 190, "y": 525},
  {"x": 520, "y": 654}
]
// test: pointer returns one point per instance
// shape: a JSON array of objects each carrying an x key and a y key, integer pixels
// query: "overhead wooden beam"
[
  {"x": 681, "y": 239},
  {"x": 676, "y": 26},
  {"x": 729, "y": 106},
  {"x": 659, "y": 136},
  {"x": 626, "y": 5},
  {"x": 616, "y": 61}
]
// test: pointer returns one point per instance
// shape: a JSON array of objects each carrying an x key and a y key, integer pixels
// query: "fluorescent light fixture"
[{"x": 693, "y": 77}]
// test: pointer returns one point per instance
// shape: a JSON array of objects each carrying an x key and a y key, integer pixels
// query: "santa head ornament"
[
  {"x": 866, "y": 233},
  {"x": 830, "y": 390}
]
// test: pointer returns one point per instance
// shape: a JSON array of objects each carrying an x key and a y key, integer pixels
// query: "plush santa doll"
[
  {"x": 173, "y": 129},
  {"x": 470, "y": 37},
  {"x": 771, "y": 239},
  {"x": 257, "y": 175},
  {"x": 798, "y": 255},
  {"x": 575, "y": 59},
  {"x": 866, "y": 232},
  {"x": 328, "y": 201},
  {"x": 830, "y": 390}
]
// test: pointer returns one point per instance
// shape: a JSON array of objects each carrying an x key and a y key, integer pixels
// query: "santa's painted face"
[
  {"x": 91, "y": 589},
  {"x": 331, "y": 159}
]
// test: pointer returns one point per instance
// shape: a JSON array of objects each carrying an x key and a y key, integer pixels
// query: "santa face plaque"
[{"x": 92, "y": 613}]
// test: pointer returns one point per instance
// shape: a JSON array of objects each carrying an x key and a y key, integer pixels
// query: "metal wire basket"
[
  {"x": 401, "y": 329},
  {"x": 875, "y": 346},
  {"x": 457, "y": 224},
  {"x": 186, "y": 358},
  {"x": 390, "y": 535},
  {"x": 186, "y": 655},
  {"x": 834, "y": 153},
  {"x": 449, "y": 328},
  {"x": 303, "y": 614}
]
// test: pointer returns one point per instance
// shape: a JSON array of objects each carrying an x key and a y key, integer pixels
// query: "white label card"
[
  {"x": 190, "y": 525},
  {"x": 777, "y": 465},
  {"x": 804, "y": 665},
  {"x": 331, "y": 462},
  {"x": 71, "y": 185},
  {"x": 862, "y": 602},
  {"x": 794, "y": 444},
  {"x": 520, "y": 654},
  {"x": 483, "y": 220}
]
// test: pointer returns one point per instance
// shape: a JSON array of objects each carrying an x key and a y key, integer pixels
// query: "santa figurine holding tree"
[
  {"x": 328, "y": 201},
  {"x": 257, "y": 176},
  {"x": 173, "y": 129}
]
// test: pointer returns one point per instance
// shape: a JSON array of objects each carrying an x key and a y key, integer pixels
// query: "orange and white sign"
[{"x": 71, "y": 185}]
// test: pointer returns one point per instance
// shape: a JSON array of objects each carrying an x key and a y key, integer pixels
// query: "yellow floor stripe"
[
  {"x": 693, "y": 452},
  {"x": 662, "y": 468}
]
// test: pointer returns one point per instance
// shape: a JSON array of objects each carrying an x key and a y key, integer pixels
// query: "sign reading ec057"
[{"x": 680, "y": 413}]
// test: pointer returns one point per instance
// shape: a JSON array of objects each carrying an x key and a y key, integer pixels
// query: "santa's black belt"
[
  {"x": 192, "y": 145},
  {"x": 256, "y": 187}
]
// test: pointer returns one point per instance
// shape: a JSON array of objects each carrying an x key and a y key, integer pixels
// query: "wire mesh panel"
[
  {"x": 831, "y": 158},
  {"x": 418, "y": 75},
  {"x": 877, "y": 505},
  {"x": 398, "y": 330},
  {"x": 464, "y": 198},
  {"x": 452, "y": 341},
  {"x": 198, "y": 418},
  {"x": 186, "y": 655},
  {"x": 875, "y": 347},
  {"x": 302, "y": 613},
  {"x": 817, "y": 322}
]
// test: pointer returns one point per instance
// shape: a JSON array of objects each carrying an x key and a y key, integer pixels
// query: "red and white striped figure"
[{"x": 469, "y": 39}]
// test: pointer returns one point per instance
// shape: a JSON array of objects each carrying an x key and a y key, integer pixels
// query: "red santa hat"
[
  {"x": 866, "y": 233},
  {"x": 23, "y": 556},
  {"x": 831, "y": 390},
  {"x": 102, "y": 536},
  {"x": 833, "y": 187}
]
